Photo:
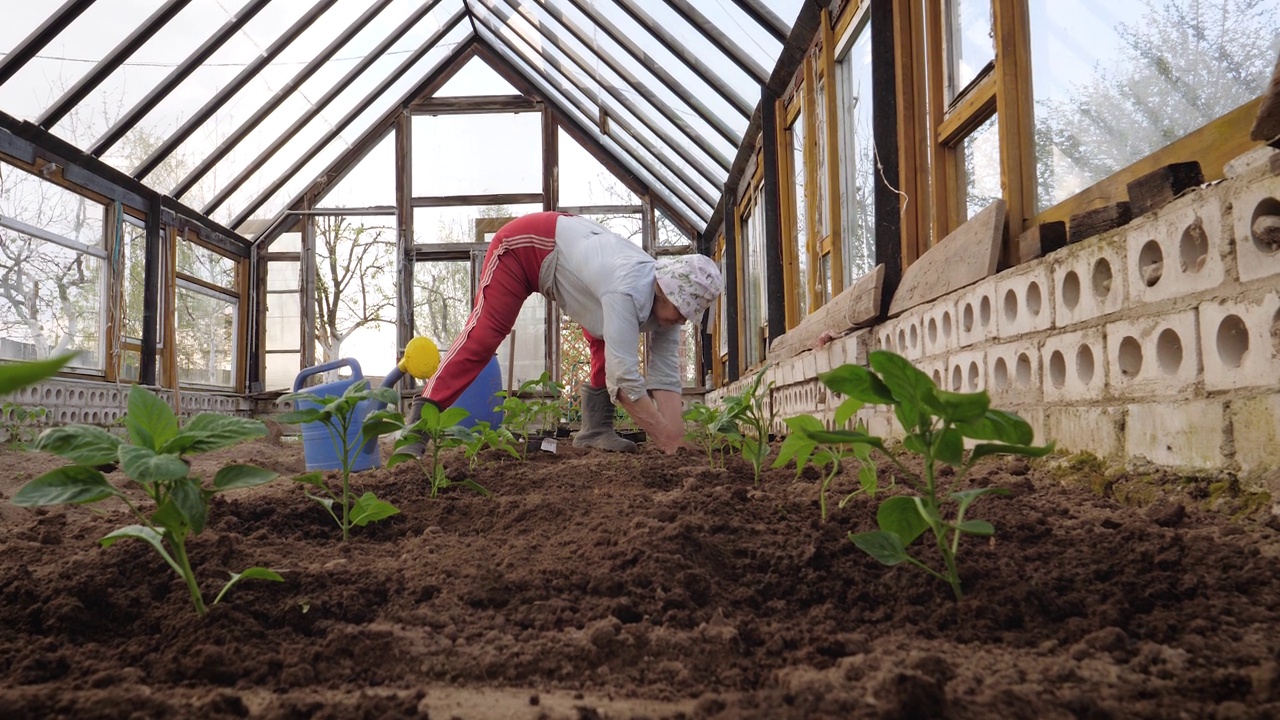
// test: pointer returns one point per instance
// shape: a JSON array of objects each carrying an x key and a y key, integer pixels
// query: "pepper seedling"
[
  {"x": 749, "y": 433},
  {"x": 711, "y": 431},
  {"x": 154, "y": 458},
  {"x": 828, "y": 457},
  {"x": 936, "y": 423},
  {"x": 439, "y": 429},
  {"x": 337, "y": 415},
  {"x": 481, "y": 436}
]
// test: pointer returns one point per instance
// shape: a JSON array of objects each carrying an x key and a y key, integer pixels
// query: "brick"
[
  {"x": 1040, "y": 240},
  {"x": 1153, "y": 356},
  {"x": 967, "y": 371},
  {"x": 1256, "y": 254},
  {"x": 976, "y": 314},
  {"x": 1097, "y": 221},
  {"x": 1255, "y": 426},
  {"x": 1074, "y": 366},
  {"x": 1160, "y": 187},
  {"x": 909, "y": 340},
  {"x": 1098, "y": 430},
  {"x": 1240, "y": 342},
  {"x": 1187, "y": 434},
  {"x": 1013, "y": 373},
  {"x": 1179, "y": 252},
  {"x": 1089, "y": 281},
  {"x": 1024, "y": 302}
]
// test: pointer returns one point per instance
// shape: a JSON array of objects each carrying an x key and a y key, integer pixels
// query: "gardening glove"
[{"x": 597, "y": 423}]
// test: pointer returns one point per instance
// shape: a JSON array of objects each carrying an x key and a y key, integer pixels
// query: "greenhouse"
[{"x": 979, "y": 417}]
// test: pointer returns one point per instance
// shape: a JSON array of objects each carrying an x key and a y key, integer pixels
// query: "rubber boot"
[
  {"x": 418, "y": 448},
  {"x": 597, "y": 423}
]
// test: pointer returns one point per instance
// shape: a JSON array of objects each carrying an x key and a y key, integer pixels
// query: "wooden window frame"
[
  {"x": 240, "y": 281},
  {"x": 753, "y": 196}
]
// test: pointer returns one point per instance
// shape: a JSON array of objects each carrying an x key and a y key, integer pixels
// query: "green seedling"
[
  {"x": 712, "y": 429},
  {"x": 154, "y": 458},
  {"x": 20, "y": 421},
  {"x": 751, "y": 423},
  {"x": 517, "y": 415},
  {"x": 439, "y": 429},
  {"x": 338, "y": 414},
  {"x": 936, "y": 423},
  {"x": 482, "y": 436},
  {"x": 828, "y": 457}
]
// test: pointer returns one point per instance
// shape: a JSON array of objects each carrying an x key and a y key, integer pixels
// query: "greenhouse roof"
[{"x": 236, "y": 107}]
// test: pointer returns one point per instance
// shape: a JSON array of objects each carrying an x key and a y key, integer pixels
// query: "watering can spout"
[{"x": 421, "y": 359}]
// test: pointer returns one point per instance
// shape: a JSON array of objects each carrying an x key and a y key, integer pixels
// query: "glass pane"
[
  {"x": 206, "y": 339},
  {"x": 284, "y": 317},
  {"x": 282, "y": 369},
  {"x": 800, "y": 208},
  {"x": 857, "y": 157},
  {"x": 754, "y": 284},
  {"x": 130, "y": 365},
  {"x": 355, "y": 286},
  {"x": 476, "y": 78},
  {"x": 1114, "y": 82},
  {"x": 135, "y": 249},
  {"x": 668, "y": 234},
  {"x": 980, "y": 171},
  {"x": 371, "y": 182},
  {"x": 50, "y": 301},
  {"x": 283, "y": 275},
  {"x": 530, "y": 334},
  {"x": 458, "y": 224},
  {"x": 969, "y": 42},
  {"x": 475, "y": 154},
  {"x": 204, "y": 264},
  {"x": 287, "y": 242},
  {"x": 35, "y": 201},
  {"x": 819, "y": 144},
  {"x": 688, "y": 354},
  {"x": 723, "y": 328},
  {"x": 627, "y": 225},
  {"x": 585, "y": 181},
  {"x": 441, "y": 299}
]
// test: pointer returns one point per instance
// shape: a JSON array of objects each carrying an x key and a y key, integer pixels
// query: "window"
[
  {"x": 753, "y": 283},
  {"x": 969, "y": 43},
  {"x": 52, "y": 271},
  {"x": 979, "y": 169},
  {"x": 1115, "y": 82},
  {"x": 206, "y": 316},
  {"x": 857, "y": 153},
  {"x": 798, "y": 210}
]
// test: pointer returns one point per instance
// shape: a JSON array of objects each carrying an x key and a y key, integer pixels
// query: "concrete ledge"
[
  {"x": 1184, "y": 435},
  {"x": 1099, "y": 430}
]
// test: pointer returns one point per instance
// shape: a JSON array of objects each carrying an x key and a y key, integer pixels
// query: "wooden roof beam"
[{"x": 32, "y": 44}]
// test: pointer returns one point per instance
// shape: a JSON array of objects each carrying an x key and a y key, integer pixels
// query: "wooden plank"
[
  {"x": 858, "y": 306},
  {"x": 1159, "y": 187},
  {"x": 404, "y": 235},
  {"x": 1040, "y": 240},
  {"x": 964, "y": 257},
  {"x": 1099, "y": 220},
  {"x": 476, "y": 104},
  {"x": 1266, "y": 127},
  {"x": 772, "y": 198},
  {"x": 465, "y": 200}
]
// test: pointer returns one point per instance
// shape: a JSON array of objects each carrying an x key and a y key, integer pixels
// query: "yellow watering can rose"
[{"x": 421, "y": 358}]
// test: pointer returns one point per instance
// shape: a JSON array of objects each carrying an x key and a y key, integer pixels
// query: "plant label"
[{"x": 549, "y": 445}]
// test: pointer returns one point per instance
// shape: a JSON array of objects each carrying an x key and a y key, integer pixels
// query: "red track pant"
[{"x": 509, "y": 276}]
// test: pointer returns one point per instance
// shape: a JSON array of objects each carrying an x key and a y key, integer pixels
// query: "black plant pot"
[{"x": 635, "y": 436}]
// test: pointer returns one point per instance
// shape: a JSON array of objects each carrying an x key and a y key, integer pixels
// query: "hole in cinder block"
[
  {"x": 1233, "y": 341},
  {"x": 937, "y": 378},
  {"x": 984, "y": 311},
  {"x": 973, "y": 377},
  {"x": 1057, "y": 369},
  {"x": 1071, "y": 290},
  {"x": 931, "y": 331},
  {"x": 1193, "y": 250},
  {"x": 1023, "y": 370},
  {"x": 886, "y": 341},
  {"x": 1264, "y": 226},
  {"x": 967, "y": 318},
  {"x": 1084, "y": 364},
  {"x": 57, "y": 395},
  {"x": 913, "y": 336},
  {"x": 1101, "y": 279},
  {"x": 1000, "y": 374},
  {"x": 1151, "y": 263},
  {"x": 902, "y": 340},
  {"x": 946, "y": 324},
  {"x": 48, "y": 394},
  {"x": 1275, "y": 334},
  {"x": 957, "y": 379},
  {"x": 1010, "y": 305},
  {"x": 1034, "y": 300},
  {"x": 1169, "y": 351},
  {"x": 1130, "y": 357}
]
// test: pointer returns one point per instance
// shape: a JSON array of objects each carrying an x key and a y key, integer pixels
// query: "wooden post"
[
  {"x": 307, "y": 289},
  {"x": 772, "y": 215},
  {"x": 404, "y": 234},
  {"x": 550, "y": 201},
  {"x": 151, "y": 295},
  {"x": 896, "y": 215},
  {"x": 730, "y": 299}
]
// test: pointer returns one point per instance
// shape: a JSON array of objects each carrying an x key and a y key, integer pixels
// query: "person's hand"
[{"x": 670, "y": 442}]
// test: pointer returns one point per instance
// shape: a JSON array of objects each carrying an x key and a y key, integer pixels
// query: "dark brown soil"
[{"x": 640, "y": 586}]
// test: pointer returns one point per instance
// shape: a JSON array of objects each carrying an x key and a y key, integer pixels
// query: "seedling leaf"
[
  {"x": 397, "y": 458},
  {"x": 81, "y": 444},
  {"x": 901, "y": 516},
  {"x": 303, "y": 415},
  {"x": 858, "y": 383},
  {"x": 847, "y": 409},
  {"x": 965, "y": 498},
  {"x": 145, "y": 466},
  {"x": 984, "y": 449},
  {"x": 214, "y": 432},
  {"x": 981, "y": 528},
  {"x": 883, "y": 546},
  {"x": 950, "y": 447},
  {"x": 1005, "y": 427},
  {"x": 188, "y": 498},
  {"x": 69, "y": 485},
  {"x": 253, "y": 573},
  {"x": 314, "y": 479},
  {"x": 473, "y": 485},
  {"x": 150, "y": 420},
  {"x": 145, "y": 534},
  {"x": 962, "y": 407},
  {"x": 844, "y": 437},
  {"x": 233, "y": 477},
  {"x": 370, "y": 509},
  {"x": 16, "y": 375}
]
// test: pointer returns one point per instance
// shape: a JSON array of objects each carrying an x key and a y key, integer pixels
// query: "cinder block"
[
  {"x": 1182, "y": 434},
  {"x": 1074, "y": 366},
  {"x": 821, "y": 359},
  {"x": 1240, "y": 342},
  {"x": 1255, "y": 424},
  {"x": 939, "y": 321},
  {"x": 976, "y": 313},
  {"x": 908, "y": 336},
  {"x": 808, "y": 367},
  {"x": 1089, "y": 280},
  {"x": 1153, "y": 356},
  {"x": 886, "y": 336},
  {"x": 967, "y": 371},
  {"x": 1024, "y": 302},
  {"x": 936, "y": 369},
  {"x": 1258, "y": 253},
  {"x": 1099, "y": 430},
  {"x": 1178, "y": 252},
  {"x": 1013, "y": 373}
]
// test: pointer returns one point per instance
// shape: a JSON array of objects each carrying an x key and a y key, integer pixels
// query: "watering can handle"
[{"x": 325, "y": 367}]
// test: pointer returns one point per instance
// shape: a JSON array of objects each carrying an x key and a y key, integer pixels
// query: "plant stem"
[{"x": 180, "y": 555}]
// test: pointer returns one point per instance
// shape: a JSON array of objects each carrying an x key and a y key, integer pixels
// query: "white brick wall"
[
  {"x": 1240, "y": 342},
  {"x": 1013, "y": 373},
  {"x": 1153, "y": 356},
  {"x": 1255, "y": 259},
  {"x": 1185, "y": 434},
  {"x": 1025, "y": 302},
  {"x": 1178, "y": 252},
  {"x": 1074, "y": 366},
  {"x": 976, "y": 312},
  {"x": 1089, "y": 280}
]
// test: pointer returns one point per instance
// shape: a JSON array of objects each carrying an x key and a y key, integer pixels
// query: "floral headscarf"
[{"x": 691, "y": 283}]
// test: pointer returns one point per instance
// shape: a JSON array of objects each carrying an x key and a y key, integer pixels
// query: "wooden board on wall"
[
  {"x": 857, "y": 306},
  {"x": 970, "y": 253}
]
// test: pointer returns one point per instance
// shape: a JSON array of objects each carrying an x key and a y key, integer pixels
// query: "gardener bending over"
[{"x": 610, "y": 287}]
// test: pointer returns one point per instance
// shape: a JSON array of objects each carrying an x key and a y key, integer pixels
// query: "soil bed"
[{"x": 640, "y": 586}]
